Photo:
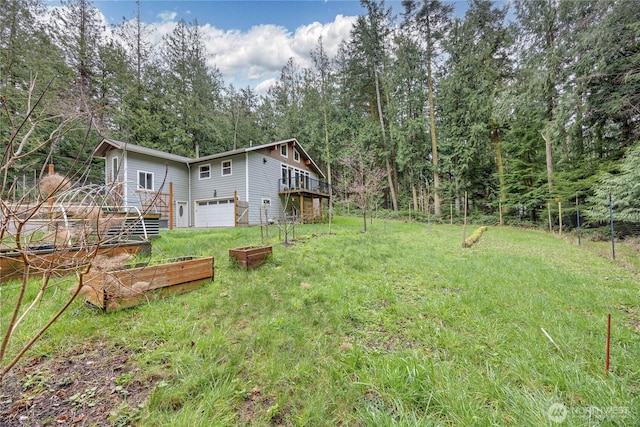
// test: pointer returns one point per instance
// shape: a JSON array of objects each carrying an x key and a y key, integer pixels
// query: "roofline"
[
  {"x": 98, "y": 151},
  {"x": 256, "y": 148},
  {"x": 137, "y": 149}
]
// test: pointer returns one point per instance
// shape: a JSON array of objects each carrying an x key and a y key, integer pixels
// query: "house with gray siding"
[{"x": 247, "y": 186}]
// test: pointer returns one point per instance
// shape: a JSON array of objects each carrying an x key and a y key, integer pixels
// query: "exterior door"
[{"x": 182, "y": 214}]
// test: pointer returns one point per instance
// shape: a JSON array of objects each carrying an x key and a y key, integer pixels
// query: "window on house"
[
  {"x": 296, "y": 155},
  {"x": 283, "y": 177},
  {"x": 205, "y": 171},
  {"x": 226, "y": 167},
  {"x": 283, "y": 150},
  {"x": 145, "y": 180},
  {"x": 114, "y": 169},
  {"x": 266, "y": 202}
]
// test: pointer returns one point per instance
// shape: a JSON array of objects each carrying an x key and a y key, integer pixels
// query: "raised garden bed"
[
  {"x": 118, "y": 289},
  {"x": 250, "y": 256},
  {"x": 62, "y": 260}
]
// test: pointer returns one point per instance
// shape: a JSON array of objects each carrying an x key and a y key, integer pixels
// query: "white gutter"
[{"x": 192, "y": 211}]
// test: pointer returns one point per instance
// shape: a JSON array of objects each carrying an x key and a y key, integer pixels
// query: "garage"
[{"x": 215, "y": 213}]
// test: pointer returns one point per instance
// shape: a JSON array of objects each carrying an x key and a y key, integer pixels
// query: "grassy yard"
[{"x": 399, "y": 326}]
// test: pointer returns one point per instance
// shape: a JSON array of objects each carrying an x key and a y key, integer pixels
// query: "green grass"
[{"x": 399, "y": 326}]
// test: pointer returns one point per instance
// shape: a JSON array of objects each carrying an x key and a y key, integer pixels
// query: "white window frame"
[
  {"x": 307, "y": 179},
  {"x": 284, "y": 150},
  {"x": 223, "y": 167},
  {"x": 296, "y": 155},
  {"x": 114, "y": 169},
  {"x": 148, "y": 176},
  {"x": 266, "y": 201},
  {"x": 208, "y": 171}
]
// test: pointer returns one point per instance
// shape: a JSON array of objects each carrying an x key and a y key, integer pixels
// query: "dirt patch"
[{"x": 92, "y": 385}]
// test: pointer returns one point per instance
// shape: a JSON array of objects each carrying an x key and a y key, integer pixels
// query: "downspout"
[
  {"x": 107, "y": 167},
  {"x": 246, "y": 179},
  {"x": 125, "y": 175},
  {"x": 191, "y": 211}
]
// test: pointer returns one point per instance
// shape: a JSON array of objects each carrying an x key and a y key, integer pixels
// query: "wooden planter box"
[
  {"x": 250, "y": 256},
  {"x": 118, "y": 289},
  {"x": 63, "y": 260}
]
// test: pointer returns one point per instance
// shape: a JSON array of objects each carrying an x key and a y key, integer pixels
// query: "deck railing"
[{"x": 303, "y": 183}]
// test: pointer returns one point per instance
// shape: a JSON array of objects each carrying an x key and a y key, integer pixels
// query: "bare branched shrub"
[
  {"x": 137, "y": 288},
  {"x": 58, "y": 236},
  {"x": 39, "y": 235},
  {"x": 53, "y": 183},
  {"x": 102, "y": 264},
  {"x": 365, "y": 183},
  {"x": 287, "y": 222},
  {"x": 102, "y": 281},
  {"x": 105, "y": 223}
]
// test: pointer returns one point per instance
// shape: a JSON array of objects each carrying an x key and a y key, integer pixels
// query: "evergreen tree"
[
  {"x": 241, "y": 106},
  {"x": 408, "y": 126},
  {"x": 194, "y": 91},
  {"x": 622, "y": 187},
  {"x": 432, "y": 21},
  {"x": 32, "y": 75},
  {"x": 367, "y": 59},
  {"x": 80, "y": 30},
  {"x": 286, "y": 96},
  {"x": 477, "y": 65}
]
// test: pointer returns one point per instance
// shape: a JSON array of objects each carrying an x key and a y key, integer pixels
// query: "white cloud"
[
  {"x": 256, "y": 57},
  {"x": 265, "y": 85},
  {"x": 167, "y": 16},
  {"x": 333, "y": 33},
  {"x": 251, "y": 55}
]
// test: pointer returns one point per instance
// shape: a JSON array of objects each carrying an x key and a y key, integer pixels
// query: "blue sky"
[
  {"x": 237, "y": 14},
  {"x": 249, "y": 41}
]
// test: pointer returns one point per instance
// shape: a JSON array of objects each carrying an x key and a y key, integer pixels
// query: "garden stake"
[
  {"x": 578, "y": 218},
  {"x": 613, "y": 237},
  {"x": 464, "y": 226},
  {"x": 608, "y": 343},
  {"x": 551, "y": 339}
]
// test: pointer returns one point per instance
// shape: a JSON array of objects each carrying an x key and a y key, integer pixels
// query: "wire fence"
[
  {"x": 22, "y": 187},
  {"x": 573, "y": 220}
]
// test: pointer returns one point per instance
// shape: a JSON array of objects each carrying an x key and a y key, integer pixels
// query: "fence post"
[
  {"x": 559, "y": 201},
  {"x": 464, "y": 226},
  {"x": 613, "y": 245},
  {"x": 170, "y": 205},
  {"x": 578, "y": 218},
  {"x": 235, "y": 208}
]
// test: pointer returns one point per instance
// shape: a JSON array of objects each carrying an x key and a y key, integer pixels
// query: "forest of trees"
[{"x": 513, "y": 107}]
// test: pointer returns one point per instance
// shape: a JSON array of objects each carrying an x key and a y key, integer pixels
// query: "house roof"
[
  {"x": 295, "y": 142},
  {"x": 107, "y": 144}
]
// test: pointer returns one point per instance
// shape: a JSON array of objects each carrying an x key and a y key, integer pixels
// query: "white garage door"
[{"x": 215, "y": 213}]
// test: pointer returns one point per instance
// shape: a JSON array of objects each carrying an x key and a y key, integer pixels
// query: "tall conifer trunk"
[
  {"x": 392, "y": 190},
  {"x": 434, "y": 146}
]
